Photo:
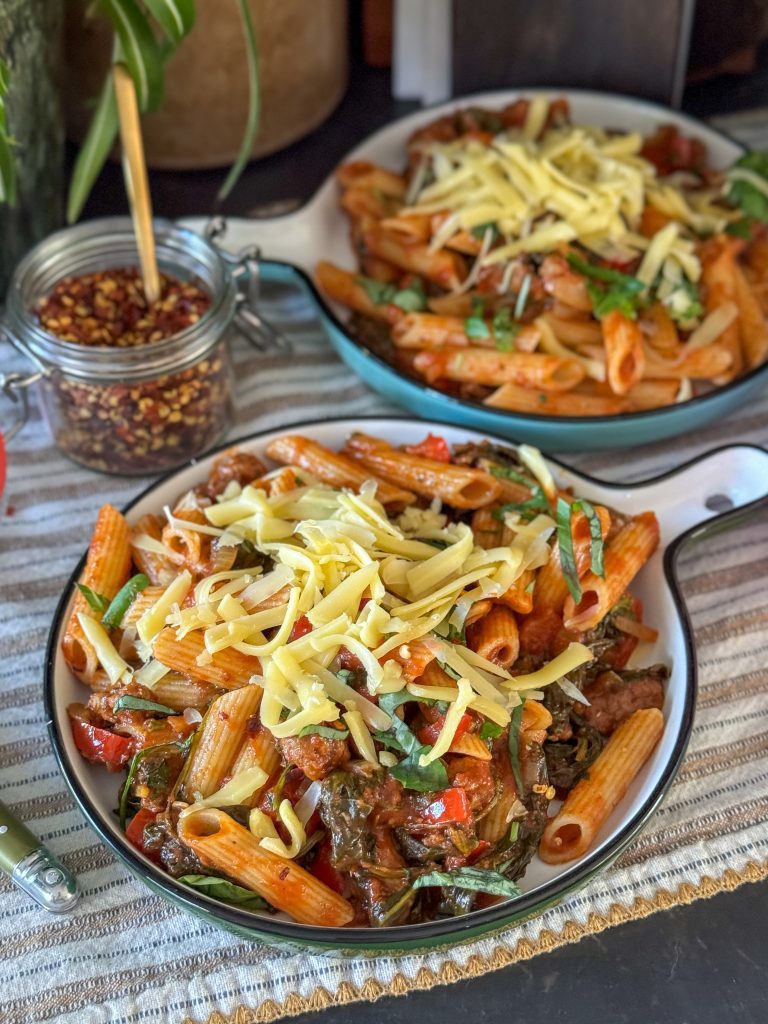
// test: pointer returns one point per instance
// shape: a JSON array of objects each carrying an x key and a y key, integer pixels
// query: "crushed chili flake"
[
  {"x": 141, "y": 426},
  {"x": 109, "y": 308}
]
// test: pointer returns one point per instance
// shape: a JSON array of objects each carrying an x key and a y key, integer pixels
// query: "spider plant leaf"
[
  {"x": 139, "y": 50},
  {"x": 94, "y": 151},
  {"x": 252, "y": 122},
  {"x": 175, "y": 17}
]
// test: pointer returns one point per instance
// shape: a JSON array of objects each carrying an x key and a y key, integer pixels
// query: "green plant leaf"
[
  {"x": 138, "y": 49},
  {"x": 175, "y": 17},
  {"x": 513, "y": 744},
  {"x": 7, "y": 162},
  {"x": 130, "y": 703},
  {"x": 752, "y": 201},
  {"x": 326, "y": 731},
  {"x": 122, "y": 600},
  {"x": 96, "y": 602},
  {"x": 94, "y": 151},
  {"x": 475, "y": 879},
  {"x": 225, "y": 891},
  {"x": 252, "y": 122}
]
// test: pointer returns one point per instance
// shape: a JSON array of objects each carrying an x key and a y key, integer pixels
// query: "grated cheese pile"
[
  {"x": 366, "y": 583},
  {"x": 573, "y": 184}
]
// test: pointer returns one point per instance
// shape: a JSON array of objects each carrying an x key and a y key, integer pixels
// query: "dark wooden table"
[{"x": 701, "y": 964}]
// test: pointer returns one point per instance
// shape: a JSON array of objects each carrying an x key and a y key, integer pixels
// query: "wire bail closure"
[
  {"x": 14, "y": 386},
  {"x": 246, "y": 271}
]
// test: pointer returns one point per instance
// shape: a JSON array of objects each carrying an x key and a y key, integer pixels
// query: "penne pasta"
[
  {"x": 222, "y": 736},
  {"x": 575, "y": 827},
  {"x": 220, "y": 843},
  {"x": 484, "y": 366},
  {"x": 227, "y": 669},
  {"x": 344, "y": 286},
  {"x": 624, "y": 556},
  {"x": 334, "y": 468},
  {"x": 157, "y": 566},
  {"x": 107, "y": 567},
  {"x": 555, "y": 403},
  {"x": 495, "y": 636},
  {"x": 752, "y": 323},
  {"x": 459, "y": 486},
  {"x": 364, "y": 174},
  {"x": 443, "y": 267},
  {"x": 718, "y": 277},
  {"x": 624, "y": 355}
]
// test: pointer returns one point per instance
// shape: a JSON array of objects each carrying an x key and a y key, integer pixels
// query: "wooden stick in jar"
[{"x": 136, "y": 182}]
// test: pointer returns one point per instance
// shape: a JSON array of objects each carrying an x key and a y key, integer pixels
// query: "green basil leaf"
[
  {"x": 389, "y": 740},
  {"x": 596, "y": 537},
  {"x": 565, "y": 543},
  {"x": 326, "y": 731},
  {"x": 610, "y": 289},
  {"x": 96, "y": 602},
  {"x": 490, "y": 730},
  {"x": 411, "y": 299},
  {"x": 448, "y": 670},
  {"x": 750, "y": 200},
  {"x": 606, "y": 274},
  {"x": 423, "y": 779},
  {"x": 380, "y": 293},
  {"x": 138, "y": 757},
  {"x": 527, "y": 509},
  {"x": 505, "y": 473},
  {"x": 475, "y": 879},
  {"x": 479, "y": 231},
  {"x": 476, "y": 328},
  {"x": 225, "y": 891},
  {"x": 513, "y": 745},
  {"x": 514, "y": 831},
  {"x": 741, "y": 228},
  {"x": 457, "y": 636},
  {"x": 122, "y": 600},
  {"x": 504, "y": 330},
  {"x": 130, "y": 703}
]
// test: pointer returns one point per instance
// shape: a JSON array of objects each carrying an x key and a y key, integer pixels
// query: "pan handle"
[{"x": 714, "y": 492}]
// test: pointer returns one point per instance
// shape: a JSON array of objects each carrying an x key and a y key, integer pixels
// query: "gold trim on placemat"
[{"x": 503, "y": 956}]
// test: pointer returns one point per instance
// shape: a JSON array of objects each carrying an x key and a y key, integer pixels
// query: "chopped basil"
[
  {"x": 326, "y": 731},
  {"x": 490, "y": 730},
  {"x": 513, "y": 745},
  {"x": 130, "y": 703},
  {"x": 528, "y": 509},
  {"x": 506, "y": 473},
  {"x": 114, "y": 614},
  {"x": 138, "y": 757},
  {"x": 514, "y": 831},
  {"x": 345, "y": 675},
  {"x": 409, "y": 773},
  {"x": 96, "y": 602},
  {"x": 504, "y": 330},
  {"x": 411, "y": 299},
  {"x": 609, "y": 289},
  {"x": 479, "y": 231},
  {"x": 448, "y": 670},
  {"x": 475, "y": 325},
  {"x": 741, "y": 228},
  {"x": 752, "y": 201},
  {"x": 225, "y": 891},
  {"x": 457, "y": 635},
  {"x": 565, "y": 543},
  {"x": 475, "y": 879}
]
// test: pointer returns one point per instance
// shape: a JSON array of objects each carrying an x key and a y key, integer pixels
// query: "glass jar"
[{"x": 132, "y": 410}]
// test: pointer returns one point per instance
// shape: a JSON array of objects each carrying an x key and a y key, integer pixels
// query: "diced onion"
[{"x": 572, "y": 691}]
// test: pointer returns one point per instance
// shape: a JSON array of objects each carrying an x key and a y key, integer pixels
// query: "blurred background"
[{"x": 332, "y": 71}]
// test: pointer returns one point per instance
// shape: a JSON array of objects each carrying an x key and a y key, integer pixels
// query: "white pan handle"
[{"x": 717, "y": 486}]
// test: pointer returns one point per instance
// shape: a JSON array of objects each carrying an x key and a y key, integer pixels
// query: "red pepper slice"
[
  {"x": 301, "y": 627},
  {"x": 100, "y": 746},
  {"x": 432, "y": 447},
  {"x": 451, "y": 807},
  {"x": 323, "y": 869},
  {"x": 482, "y": 847},
  {"x": 134, "y": 833},
  {"x": 348, "y": 660},
  {"x": 428, "y": 733}
]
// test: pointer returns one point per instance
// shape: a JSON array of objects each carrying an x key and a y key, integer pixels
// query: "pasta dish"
[
  {"x": 354, "y": 688},
  {"x": 546, "y": 267}
]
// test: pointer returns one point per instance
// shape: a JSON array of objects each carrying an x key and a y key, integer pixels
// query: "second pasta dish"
[
  {"x": 544, "y": 267},
  {"x": 366, "y": 687}
]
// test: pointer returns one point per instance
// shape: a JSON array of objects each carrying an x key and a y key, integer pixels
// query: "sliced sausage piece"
[
  {"x": 613, "y": 696},
  {"x": 315, "y": 755}
]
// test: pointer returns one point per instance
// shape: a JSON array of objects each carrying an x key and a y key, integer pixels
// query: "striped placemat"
[{"x": 125, "y": 956}]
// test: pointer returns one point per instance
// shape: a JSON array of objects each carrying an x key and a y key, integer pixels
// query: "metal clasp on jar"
[
  {"x": 14, "y": 386},
  {"x": 246, "y": 274}
]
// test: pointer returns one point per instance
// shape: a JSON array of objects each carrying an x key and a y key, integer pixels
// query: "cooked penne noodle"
[
  {"x": 220, "y": 843},
  {"x": 650, "y": 394},
  {"x": 363, "y": 174},
  {"x": 144, "y": 600},
  {"x": 181, "y": 693},
  {"x": 708, "y": 363},
  {"x": 624, "y": 556},
  {"x": 495, "y": 636},
  {"x": 226, "y": 669},
  {"x": 575, "y": 330},
  {"x": 189, "y": 549},
  {"x": 459, "y": 486},
  {"x": 156, "y": 566},
  {"x": 519, "y": 597},
  {"x": 469, "y": 744},
  {"x": 221, "y": 739},
  {"x": 107, "y": 567},
  {"x": 661, "y": 331},
  {"x": 575, "y": 827},
  {"x": 258, "y": 750},
  {"x": 333, "y": 468},
  {"x": 443, "y": 267},
  {"x": 410, "y": 227},
  {"x": 718, "y": 277},
  {"x": 554, "y": 403},
  {"x": 484, "y": 366},
  {"x": 488, "y": 530},
  {"x": 752, "y": 323},
  {"x": 344, "y": 286},
  {"x": 624, "y": 355}
]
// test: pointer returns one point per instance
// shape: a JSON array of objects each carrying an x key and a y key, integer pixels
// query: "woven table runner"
[{"x": 125, "y": 955}]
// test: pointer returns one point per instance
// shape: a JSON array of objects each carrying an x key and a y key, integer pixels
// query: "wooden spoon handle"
[{"x": 136, "y": 181}]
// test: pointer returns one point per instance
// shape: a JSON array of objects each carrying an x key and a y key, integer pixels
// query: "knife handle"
[{"x": 32, "y": 867}]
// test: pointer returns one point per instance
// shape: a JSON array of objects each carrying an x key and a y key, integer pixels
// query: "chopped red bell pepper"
[
  {"x": 100, "y": 746},
  {"x": 483, "y": 846},
  {"x": 323, "y": 869},
  {"x": 301, "y": 627},
  {"x": 134, "y": 833},
  {"x": 428, "y": 733},
  {"x": 432, "y": 447},
  {"x": 450, "y": 807}
]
